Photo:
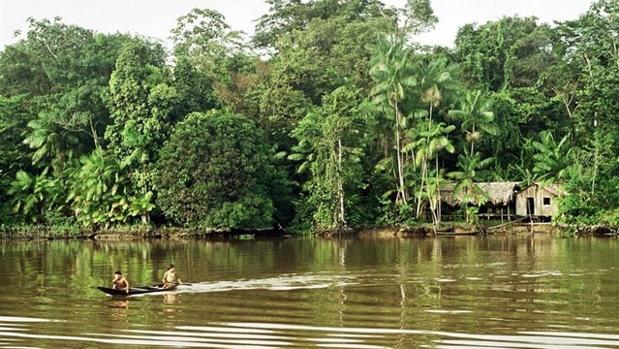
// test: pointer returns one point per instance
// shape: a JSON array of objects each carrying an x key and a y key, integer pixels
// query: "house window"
[{"x": 546, "y": 201}]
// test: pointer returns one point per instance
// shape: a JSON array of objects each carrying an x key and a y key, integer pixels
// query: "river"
[{"x": 460, "y": 293}]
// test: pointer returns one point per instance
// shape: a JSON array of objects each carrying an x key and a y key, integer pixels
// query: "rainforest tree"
[
  {"x": 216, "y": 171},
  {"x": 331, "y": 143}
]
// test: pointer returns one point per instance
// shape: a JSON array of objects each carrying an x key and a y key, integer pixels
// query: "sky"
[{"x": 155, "y": 18}]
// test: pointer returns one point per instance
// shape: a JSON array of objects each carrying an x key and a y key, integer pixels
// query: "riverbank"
[
  {"x": 448, "y": 229},
  {"x": 483, "y": 228},
  {"x": 424, "y": 230},
  {"x": 139, "y": 232}
]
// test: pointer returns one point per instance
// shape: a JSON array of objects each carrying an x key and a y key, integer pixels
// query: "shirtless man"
[
  {"x": 120, "y": 283},
  {"x": 170, "y": 278}
]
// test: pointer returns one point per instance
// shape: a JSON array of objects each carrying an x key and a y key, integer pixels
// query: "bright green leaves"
[
  {"x": 392, "y": 70},
  {"x": 64, "y": 70},
  {"x": 551, "y": 158},
  {"x": 438, "y": 82},
  {"x": 338, "y": 98},
  {"x": 411, "y": 92},
  {"x": 35, "y": 196},
  {"x": 14, "y": 155},
  {"x": 48, "y": 140},
  {"x": 428, "y": 140},
  {"x": 100, "y": 192},
  {"x": 28, "y": 191},
  {"x": 476, "y": 116}
]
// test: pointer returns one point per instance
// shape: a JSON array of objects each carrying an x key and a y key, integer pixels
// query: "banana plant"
[
  {"x": 33, "y": 195},
  {"x": 552, "y": 158},
  {"x": 100, "y": 192}
]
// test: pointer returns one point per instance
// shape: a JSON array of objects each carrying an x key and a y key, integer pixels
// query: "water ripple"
[{"x": 268, "y": 335}]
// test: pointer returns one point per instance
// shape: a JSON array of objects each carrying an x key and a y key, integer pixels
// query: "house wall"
[{"x": 538, "y": 194}]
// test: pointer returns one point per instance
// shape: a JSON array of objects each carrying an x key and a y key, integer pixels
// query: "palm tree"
[
  {"x": 393, "y": 73},
  {"x": 476, "y": 117},
  {"x": 429, "y": 141},
  {"x": 436, "y": 180},
  {"x": 436, "y": 81},
  {"x": 53, "y": 140}
]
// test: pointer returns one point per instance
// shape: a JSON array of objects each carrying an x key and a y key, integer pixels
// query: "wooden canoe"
[{"x": 136, "y": 290}]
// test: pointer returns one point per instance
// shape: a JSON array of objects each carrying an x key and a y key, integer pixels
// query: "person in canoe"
[
  {"x": 170, "y": 278},
  {"x": 119, "y": 282}
]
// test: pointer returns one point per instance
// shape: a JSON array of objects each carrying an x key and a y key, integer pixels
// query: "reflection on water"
[
  {"x": 451, "y": 293},
  {"x": 171, "y": 298},
  {"x": 118, "y": 303}
]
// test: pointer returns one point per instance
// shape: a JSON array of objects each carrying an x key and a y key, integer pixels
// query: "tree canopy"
[
  {"x": 330, "y": 116},
  {"x": 215, "y": 171}
]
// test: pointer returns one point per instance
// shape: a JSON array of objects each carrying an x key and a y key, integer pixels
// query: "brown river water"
[{"x": 458, "y": 293}]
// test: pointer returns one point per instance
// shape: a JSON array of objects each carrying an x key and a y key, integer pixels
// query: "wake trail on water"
[{"x": 287, "y": 282}]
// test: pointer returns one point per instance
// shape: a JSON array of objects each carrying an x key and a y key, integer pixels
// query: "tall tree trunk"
[
  {"x": 595, "y": 159},
  {"x": 401, "y": 198},
  {"x": 93, "y": 131},
  {"x": 438, "y": 194},
  {"x": 340, "y": 186},
  {"x": 473, "y": 140},
  {"x": 424, "y": 170},
  {"x": 424, "y": 167},
  {"x": 595, "y": 135}
]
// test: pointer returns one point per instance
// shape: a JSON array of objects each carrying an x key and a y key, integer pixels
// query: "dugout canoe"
[{"x": 136, "y": 290}]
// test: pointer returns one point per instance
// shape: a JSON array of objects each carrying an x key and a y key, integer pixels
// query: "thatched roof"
[
  {"x": 500, "y": 193},
  {"x": 497, "y": 193}
]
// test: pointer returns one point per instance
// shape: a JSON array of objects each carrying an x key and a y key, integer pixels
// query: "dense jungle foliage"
[{"x": 330, "y": 116}]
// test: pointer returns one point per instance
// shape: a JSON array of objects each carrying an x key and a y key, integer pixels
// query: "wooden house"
[
  {"x": 539, "y": 201},
  {"x": 508, "y": 200}
]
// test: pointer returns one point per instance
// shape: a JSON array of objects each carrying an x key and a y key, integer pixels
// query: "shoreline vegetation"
[
  {"x": 123, "y": 233},
  {"x": 331, "y": 117}
]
